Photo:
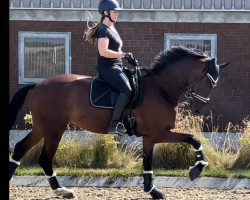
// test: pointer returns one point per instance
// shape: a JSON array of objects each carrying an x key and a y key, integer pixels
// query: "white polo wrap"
[
  {"x": 148, "y": 172},
  {"x": 14, "y": 161}
]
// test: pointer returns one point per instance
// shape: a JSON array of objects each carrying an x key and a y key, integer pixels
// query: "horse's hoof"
[
  {"x": 65, "y": 192},
  {"x": 194, "y": 173},
  {"x": 157, "y": 194}
]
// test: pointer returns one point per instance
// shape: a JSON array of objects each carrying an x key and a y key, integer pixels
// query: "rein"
[
  {"x": 164, "y": 80},
  {"x": 188, "y": 92}
]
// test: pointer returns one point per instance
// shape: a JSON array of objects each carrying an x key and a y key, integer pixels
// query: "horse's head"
[
  {"x": 200, "y": 88},
  {"x": 194, "y": 77}
]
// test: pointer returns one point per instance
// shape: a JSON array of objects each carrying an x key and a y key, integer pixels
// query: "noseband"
[{"x": 190, "y": 94}]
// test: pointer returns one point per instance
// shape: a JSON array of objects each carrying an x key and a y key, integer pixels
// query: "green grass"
[{"x": 219, "y": 172}]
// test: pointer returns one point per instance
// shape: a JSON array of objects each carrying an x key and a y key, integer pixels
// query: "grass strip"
[{"x": 216, "y": 173}]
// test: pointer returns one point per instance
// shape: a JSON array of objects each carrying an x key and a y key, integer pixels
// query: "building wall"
[
  {"x": 139, "y": 4},
  {"x": 230, "y": 100}
]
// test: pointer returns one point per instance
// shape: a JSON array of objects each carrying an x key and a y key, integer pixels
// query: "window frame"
[
  {"x": 186, "y": 36},
  {"x": 26, "y": 34}
]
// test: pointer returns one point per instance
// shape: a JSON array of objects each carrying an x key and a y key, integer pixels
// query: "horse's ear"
[
  {"x": 224, "y": 65},
  {"x": 212, "y": 64},
  {"x": 212, "y": 61}
]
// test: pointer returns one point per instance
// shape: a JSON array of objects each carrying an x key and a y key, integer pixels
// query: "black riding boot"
[{"x": 116, "y": 127}]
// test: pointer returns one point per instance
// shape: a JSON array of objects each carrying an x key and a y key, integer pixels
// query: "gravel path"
[{"x": 135, "y": 193}]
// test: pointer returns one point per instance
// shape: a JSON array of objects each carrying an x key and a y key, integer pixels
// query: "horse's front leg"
[
  {"x": 148, "y": 147},
  {"x": 195, "y": 171},
  {"x": 174, "y": 137}
]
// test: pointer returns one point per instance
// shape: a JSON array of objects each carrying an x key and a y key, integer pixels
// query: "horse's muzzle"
[{"x": 197, "y": 107}]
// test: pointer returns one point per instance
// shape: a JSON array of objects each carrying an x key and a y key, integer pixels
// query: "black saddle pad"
[{"x": 102, "y": 95}]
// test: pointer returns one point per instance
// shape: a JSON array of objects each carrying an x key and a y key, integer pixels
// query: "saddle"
[{"x": 102, "y": 95}]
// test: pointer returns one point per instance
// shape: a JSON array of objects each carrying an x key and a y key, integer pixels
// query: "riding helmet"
[{"x": 108, "y": 5}]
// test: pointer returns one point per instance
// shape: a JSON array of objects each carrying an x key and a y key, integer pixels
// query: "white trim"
[
  {"x": 136, "y": 9},
  {"x": 201, "y": 162},
  {"x": 90, "y": 96},
  {"x": 179, "y": 16},
  {"x": 189, "y": 36},
  {"x": 200, "y": 149},
  {"x": 53, "y": 175},
  {"x": 148, "y": 172},
  {"x": 43, "y": 35},
  {"x": 133, "y": 5},
  {"x": 152, "y": 189},
  {"x": 213, "y": 82},
  {"x": 14, "y": 161}
]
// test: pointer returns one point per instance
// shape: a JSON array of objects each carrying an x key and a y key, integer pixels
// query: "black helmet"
[{"x": 108, "y": 5}]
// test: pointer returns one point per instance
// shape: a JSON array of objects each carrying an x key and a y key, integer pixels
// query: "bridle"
[
  {"x": 213, "y": 83},
  {"x": 188, "y": 92}
]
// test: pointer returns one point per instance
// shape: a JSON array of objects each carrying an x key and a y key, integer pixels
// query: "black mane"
[{"x": 164, "y": 58}]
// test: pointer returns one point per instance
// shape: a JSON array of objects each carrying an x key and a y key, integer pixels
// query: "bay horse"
[{"x": 64, "y": 99}]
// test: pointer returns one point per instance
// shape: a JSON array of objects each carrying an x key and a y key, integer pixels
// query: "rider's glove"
[{"x": 130, "y": 58}]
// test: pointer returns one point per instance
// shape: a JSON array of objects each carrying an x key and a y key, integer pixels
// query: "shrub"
[
  {"x": 99, "y": 151},
  {"x": 128, "y": 157},
  {"x": 172, "y": 156},
  {"x": 103, "y": 151},
  {"x": 243, "y": 156},
  {"x": 181, "y": 155},
  {"x": 72, "y": 153}
]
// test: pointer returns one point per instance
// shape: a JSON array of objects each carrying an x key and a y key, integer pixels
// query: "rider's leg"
[
  {"x": 119, "y": 81},
  {"x": 116, "y": 127}
]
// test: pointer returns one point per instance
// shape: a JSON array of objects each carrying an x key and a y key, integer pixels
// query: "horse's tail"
[{"x": 16, "y": 103}]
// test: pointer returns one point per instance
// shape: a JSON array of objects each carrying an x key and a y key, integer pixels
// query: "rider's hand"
[{"x": 130, "y": 58}]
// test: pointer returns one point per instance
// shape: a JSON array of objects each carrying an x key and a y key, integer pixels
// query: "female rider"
[{"x": 109, "y": 65}]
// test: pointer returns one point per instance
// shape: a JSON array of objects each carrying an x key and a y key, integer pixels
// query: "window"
[
  {"x": 43, "y": 55},
  {"x": 205, "y": 42}
]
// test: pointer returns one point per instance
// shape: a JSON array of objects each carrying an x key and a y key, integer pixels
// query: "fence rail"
[{"x": 149, "y": 5}]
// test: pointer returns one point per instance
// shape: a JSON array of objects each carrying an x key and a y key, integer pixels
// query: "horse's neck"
[
  {"x": 162, "y": 89},
  {"x": 172, "y": 81}
]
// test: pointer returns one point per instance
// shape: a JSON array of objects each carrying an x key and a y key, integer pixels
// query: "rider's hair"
[{"x": 90, "y": 35}]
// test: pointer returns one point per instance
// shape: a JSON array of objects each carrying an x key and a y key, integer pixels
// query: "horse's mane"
[{"x": 164, "y": 58}]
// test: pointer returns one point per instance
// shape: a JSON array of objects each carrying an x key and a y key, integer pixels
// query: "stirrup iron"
[{"x": 116, "y": 131}]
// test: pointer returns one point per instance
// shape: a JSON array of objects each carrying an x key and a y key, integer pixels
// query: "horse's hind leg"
[
  {"x": 21, "y": 148},
  {"x": 51, "y": 142},
  {"x": 148, "y": 147}
]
